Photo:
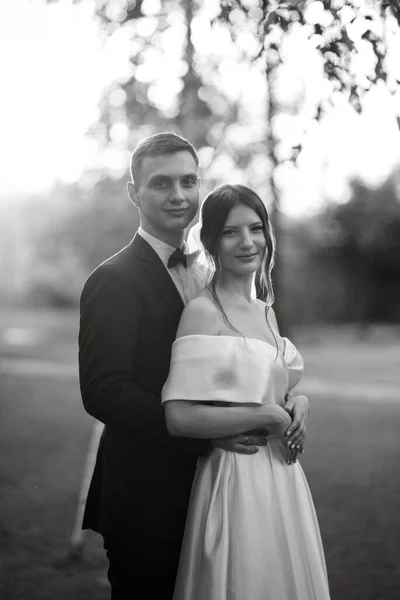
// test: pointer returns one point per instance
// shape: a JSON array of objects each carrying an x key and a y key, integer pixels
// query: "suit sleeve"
[{"x": 108, "y": 345}]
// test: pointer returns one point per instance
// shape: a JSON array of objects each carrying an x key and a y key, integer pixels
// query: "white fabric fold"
[{"x": 231, "y": 369}]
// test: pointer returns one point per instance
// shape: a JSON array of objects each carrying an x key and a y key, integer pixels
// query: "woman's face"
[{"x": 243, "y": 243}]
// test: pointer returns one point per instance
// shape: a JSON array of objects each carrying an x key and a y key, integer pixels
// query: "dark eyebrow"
[
  {"x": 161, "y": 177},
  {"x": 251, "y": 225},
  {"x": 158, "y": 177}
]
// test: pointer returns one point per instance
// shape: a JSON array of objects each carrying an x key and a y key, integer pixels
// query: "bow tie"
[{"x": 177, "y": 257}]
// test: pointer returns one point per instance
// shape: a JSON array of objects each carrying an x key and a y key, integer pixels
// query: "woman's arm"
[
  {"x": 298, "y": 406},
  {"x": 189, "y": 419},
  {"x": 201, "y": 420}
]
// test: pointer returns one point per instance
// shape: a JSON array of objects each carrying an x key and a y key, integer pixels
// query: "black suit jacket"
[{"x": 130, "y": 311}]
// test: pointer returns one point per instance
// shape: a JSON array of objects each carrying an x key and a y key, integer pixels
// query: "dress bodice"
[{"x": 231, "y": 369}]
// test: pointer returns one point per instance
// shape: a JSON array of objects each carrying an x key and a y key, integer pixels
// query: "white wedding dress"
[{"x": 251, "y": 530}]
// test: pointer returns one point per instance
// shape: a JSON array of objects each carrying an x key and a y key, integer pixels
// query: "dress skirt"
[{"x": 252, "y": 531}]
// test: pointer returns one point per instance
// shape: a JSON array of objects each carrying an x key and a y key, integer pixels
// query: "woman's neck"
[{"x": 235, "y": 288}]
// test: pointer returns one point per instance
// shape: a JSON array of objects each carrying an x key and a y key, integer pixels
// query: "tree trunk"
[
  {"x": 275, "y": 213},
  {"x": 189, "y": 104}
]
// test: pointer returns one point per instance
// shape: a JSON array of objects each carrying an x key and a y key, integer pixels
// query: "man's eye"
[
  {"x": 188, "y": 183},
  {"x": 160, "y": 185}
]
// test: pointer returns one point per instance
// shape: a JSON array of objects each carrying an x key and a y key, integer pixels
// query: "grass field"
[{"x": 351, "y": 459}]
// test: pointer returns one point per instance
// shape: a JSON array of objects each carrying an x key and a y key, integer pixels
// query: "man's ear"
[{"x": 132, "y": 193}]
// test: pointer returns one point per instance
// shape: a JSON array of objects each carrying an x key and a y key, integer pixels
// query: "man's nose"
[{"x": 177, "y": 194}]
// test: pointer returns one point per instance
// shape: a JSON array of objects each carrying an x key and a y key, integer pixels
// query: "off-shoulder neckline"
[{"x": 236, "y": 337}]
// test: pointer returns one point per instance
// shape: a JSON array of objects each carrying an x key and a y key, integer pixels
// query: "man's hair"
[{"x": 160, "y": 143}]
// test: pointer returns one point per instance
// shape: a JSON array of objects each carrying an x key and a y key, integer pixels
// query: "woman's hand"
[
  {"x": 283, "y": 422},
  {"x": 289, "y": 452},
  {"x": 298, "y": 407}
]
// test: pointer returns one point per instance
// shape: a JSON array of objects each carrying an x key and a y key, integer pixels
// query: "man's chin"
[{"x": 179, "y": 223}]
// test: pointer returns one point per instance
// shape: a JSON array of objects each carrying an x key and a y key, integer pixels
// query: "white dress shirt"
[{"x": 187, "y": 281}]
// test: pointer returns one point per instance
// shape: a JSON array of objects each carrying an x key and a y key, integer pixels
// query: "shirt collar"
[{"x": 162, "y": 249}]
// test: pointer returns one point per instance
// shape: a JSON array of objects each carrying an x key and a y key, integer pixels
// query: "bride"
[{"x": 251, "y": 530}]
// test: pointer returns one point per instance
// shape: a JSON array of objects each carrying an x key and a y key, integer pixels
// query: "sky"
[{"x": 56, "y": 62}]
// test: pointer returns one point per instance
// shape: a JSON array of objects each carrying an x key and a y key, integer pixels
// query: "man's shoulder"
[
  {"x": 128, "y": 259},
  {"x": 119, "y": 261},
  {"x": 123, "y": 266}
]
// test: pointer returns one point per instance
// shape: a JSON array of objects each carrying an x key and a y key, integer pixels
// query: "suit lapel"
[{"x": 156, "y": 272}]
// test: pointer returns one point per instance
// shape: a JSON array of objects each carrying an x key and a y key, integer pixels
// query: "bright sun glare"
[
  {"x": 55, "y": 63},
  {"x": 52, "y": 78}
]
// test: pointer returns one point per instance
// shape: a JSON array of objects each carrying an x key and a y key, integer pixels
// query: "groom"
[{"x": 130, "y": 310}]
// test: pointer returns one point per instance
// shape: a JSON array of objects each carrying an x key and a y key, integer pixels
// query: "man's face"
[{"x": 167, "y": 194}]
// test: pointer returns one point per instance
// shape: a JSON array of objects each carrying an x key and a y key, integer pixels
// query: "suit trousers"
[{"x": 141, "y": 567}]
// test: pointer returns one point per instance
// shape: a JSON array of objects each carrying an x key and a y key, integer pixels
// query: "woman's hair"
[{"x": 214, "y": 213}]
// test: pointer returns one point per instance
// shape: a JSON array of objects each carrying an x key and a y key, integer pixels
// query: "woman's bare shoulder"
[
  {"x": 200, "y": 317},
  {"x": 272, "y": 319},
  {"x": 271, "y": 315}
]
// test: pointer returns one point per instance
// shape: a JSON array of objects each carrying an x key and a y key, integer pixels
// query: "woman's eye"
[
  {"x": 229, "y": 232},
  {"x": 258, "y": 229}
]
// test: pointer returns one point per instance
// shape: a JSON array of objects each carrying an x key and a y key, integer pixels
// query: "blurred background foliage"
[
  {"x": 223, "y": 75},
  {"x": 342, "y": 265}
]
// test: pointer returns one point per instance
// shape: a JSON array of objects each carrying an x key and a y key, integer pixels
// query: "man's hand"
[
  {"x": 243, "y": 443},
  {"x": 299, "y": 409}
]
